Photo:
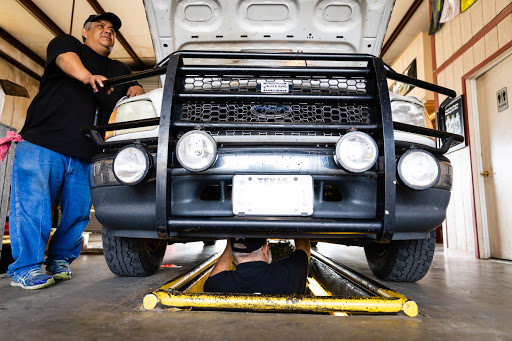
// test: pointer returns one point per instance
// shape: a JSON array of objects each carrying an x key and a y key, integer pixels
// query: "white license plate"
[{"x": 273, "y": 195}]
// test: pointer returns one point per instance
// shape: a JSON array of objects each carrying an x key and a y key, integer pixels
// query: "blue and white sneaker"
[
  {"x": 32, "y": 279},
  {"x": 59, "y": 269}
]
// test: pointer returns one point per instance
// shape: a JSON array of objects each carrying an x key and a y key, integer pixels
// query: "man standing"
[
  {"x": 54, "y": 158},
  {"x": 255, "y": 273}
]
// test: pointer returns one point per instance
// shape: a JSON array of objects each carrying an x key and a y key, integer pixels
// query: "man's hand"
[
  {"x": 96, "y": 82},
  {"x": 135, "y": 90},
  {"x": 303, "y": 244}
]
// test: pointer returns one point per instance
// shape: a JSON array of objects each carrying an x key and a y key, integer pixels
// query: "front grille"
[
  {"x": 297, "y": 85},
  {"x": 285, "y": 112}
]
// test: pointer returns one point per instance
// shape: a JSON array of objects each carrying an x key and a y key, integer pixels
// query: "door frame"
[{"x": 469, "y": 83}]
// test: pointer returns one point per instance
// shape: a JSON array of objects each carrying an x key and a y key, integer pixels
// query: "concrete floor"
[{"x": 460, "y": 298}]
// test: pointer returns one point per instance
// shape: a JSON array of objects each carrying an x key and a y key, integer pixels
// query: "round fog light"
[
  {"x": 356, "y": 152},
  {"x": 418, "y": 169},
  {"x": 132, "y": 164},
  {"x": 196, "y": 151}
]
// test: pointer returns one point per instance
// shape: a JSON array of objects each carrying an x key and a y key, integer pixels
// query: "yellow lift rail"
[{"x": 185, "y": 292}]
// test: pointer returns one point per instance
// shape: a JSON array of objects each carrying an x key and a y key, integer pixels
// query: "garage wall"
[
  {"x": 462, "y": 47},
  {"x": 15, "y": 108},
  {"x": 419, "y": 48},
  {"x": 464, "y": 33},
  {"x": 150, "y": 83}
]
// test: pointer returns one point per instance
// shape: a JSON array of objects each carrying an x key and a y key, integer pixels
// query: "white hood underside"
[{"x": 317, "y": 26}]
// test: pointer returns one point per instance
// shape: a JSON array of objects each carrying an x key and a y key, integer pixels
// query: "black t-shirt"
[
  {"x": 285, "y": 277},
  {"x": 65, "y": 105}
]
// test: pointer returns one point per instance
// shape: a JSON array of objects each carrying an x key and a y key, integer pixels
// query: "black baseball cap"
[
  {"x": 251, "y": 244},
  {"x": 114, "y": 19}
]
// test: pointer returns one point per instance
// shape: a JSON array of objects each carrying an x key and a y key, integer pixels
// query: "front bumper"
[{"x": 345, "y": 204}]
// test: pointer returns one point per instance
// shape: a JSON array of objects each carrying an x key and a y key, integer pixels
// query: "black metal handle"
[
  {"x": 421, "y": 84},
  {"x": 134, "y": 76},
  {"x": 426, "y": 131}
]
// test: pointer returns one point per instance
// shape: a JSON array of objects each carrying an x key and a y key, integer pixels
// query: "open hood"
[{"x": 327, "y": 26}]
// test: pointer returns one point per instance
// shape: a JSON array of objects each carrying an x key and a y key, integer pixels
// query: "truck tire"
[
  {"x": 401, "y": 260},
  {"x": 133, "y": 257}
]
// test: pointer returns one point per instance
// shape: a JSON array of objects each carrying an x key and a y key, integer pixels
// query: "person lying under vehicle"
[{"x": 255, "y": 273}]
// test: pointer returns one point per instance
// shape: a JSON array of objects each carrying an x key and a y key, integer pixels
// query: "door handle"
[{"x": 485, "y": 174}]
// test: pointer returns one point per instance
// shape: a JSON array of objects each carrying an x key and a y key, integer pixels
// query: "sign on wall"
[
  {"x": 502, "y": 99},
  {"x": 454, "y": 121},
  {"x": 465, "y": 4},
  {"x": 403, "y": 89}
]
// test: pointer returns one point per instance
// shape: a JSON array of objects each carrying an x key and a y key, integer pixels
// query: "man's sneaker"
[
  {"x": 59, "y": 269},
  {"x": 32, "y": 279}
]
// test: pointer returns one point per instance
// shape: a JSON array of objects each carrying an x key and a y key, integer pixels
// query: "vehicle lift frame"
[{"x": 367, "y": 296}]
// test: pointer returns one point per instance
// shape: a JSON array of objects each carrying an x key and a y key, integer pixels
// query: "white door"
[{"x": 496, "y": 146}]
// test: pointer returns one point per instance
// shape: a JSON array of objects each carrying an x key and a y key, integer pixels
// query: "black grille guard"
[{"x": 376, "y": 73}]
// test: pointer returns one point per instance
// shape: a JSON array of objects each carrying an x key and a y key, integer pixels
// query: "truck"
[{"x": 274, "y": 120}]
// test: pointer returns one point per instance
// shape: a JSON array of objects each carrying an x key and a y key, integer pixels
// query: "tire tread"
[
  {"x": 126, "y": 256},
  {"x": 403, "y": 261}
]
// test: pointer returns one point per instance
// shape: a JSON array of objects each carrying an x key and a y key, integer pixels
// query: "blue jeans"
[{"x": 39, "y": 175}]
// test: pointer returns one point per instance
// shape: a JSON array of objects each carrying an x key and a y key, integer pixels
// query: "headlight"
[
  {"x": 132, "y": 164},
  {"x": 410, "y": 113},
  {"x": 196, "y": 151},
  {"x": 356, "y": 152},
  {"x": 136, "y": 110},
  {"x": 418, "y": 169}
]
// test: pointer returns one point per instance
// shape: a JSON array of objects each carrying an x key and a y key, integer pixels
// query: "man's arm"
[
  {"x": 304, "y": 245},
  {"x": 224, "y": 262},
  {"x": 72, "y": 66}
]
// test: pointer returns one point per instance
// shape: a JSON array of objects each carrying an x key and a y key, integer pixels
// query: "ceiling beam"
[
  {"x": 41, "y": 16},
  {"x": 97, "y": 7},
  {"x": 20, "y": 66},
  {"x": 21, "y": 47},
  {"x": 415, "y": 5}
]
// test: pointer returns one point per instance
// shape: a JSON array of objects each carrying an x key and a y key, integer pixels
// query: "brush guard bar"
[{"x": 376, "y": 72}]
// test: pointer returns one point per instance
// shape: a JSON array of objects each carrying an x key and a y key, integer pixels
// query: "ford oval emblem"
[{"x": 270, "y": 111}]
